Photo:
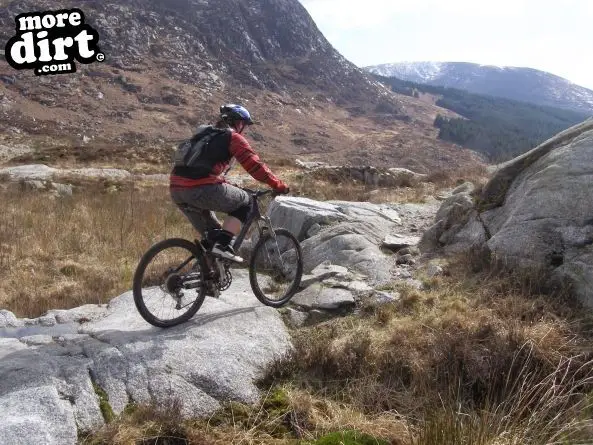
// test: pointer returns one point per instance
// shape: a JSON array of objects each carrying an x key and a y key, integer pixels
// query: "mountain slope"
[
  {"x": 497, "y": 127},
  {"x": 170, "y": 64},
  {"x": 524, "y": 84}
]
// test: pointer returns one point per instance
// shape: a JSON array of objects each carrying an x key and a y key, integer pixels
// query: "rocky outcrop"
[
  {"x": 57, "y": 182},
  {"x": 56, "y": 378},
  {"x": 331, "y": 287},
  {"x": 457, "y": 227},
  {"x": 48, "y": 419},
  {"x": 349, "y": 234},
  {"x": 331, "y": 290},
  {"x": 375, "y": 176},
  {"x": 536, "y": 213},
  {"x": 41, "y": 172},
  {"x": 8, "y": 152},
  {"x": 40, "y": 177},
  {"x": 349, "y": 248},
  {"x": 348, "y": 245}
]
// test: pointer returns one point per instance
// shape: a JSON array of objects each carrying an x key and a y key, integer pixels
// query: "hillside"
[
  {"x": 168, "y": 67},
  {"x": 523, "y": 84},
  {"x": 497, "y": 127}
]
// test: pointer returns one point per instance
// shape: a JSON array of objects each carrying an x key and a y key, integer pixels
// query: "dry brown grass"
[
  {"x": 284, "y": 416},
  {"x": 323, "y": 415},
  {"x": 403, "y": 375},
  {"x": 303, "y": 183},
  {"x": 474, "y": 359},
  {"x": 479, "y": 357},
  {"x": 64, "y": 252}
]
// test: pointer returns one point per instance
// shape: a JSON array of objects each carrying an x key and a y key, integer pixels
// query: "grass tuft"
[
  {"x": 348, "y": 438},
  {"x": 106, "y": 410}
]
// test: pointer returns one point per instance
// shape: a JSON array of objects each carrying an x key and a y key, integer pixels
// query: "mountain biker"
[{"x": 200, "y": 190}]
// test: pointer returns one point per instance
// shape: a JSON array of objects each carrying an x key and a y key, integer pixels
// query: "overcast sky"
[{"x": 554, "y": 36}]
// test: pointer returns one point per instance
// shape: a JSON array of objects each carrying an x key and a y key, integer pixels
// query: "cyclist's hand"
[{"x": 282, "y": 189}]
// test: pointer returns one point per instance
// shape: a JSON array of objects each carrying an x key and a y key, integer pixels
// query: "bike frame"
[
  {"x": 254, "y": 216},
  {"x": 264, "y": 224}
]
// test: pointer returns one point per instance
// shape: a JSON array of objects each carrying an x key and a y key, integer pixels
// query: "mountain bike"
[{"x": 174, "y": 276}]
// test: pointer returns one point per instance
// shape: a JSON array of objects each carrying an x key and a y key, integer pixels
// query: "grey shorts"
[{"x": 198, "y": 204}]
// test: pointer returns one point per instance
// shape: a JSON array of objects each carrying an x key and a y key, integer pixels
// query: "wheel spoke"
[
  {"x": 185, "y": 263},
  {"x": 168, "y": 286},
  {"x": 276, "y": 268}
]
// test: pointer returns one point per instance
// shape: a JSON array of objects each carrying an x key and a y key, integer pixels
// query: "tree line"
[{"x": 496, "y": 127}]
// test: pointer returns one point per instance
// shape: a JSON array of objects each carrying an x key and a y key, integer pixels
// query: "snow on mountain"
[
  {"x": 525, "y": 84},
  {"x": 421, "y": 72}
]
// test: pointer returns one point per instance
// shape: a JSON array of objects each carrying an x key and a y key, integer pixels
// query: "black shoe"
[{"x": 226, "y": 252}]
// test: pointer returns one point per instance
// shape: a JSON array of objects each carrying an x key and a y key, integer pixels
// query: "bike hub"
[{"x": 173, "y": 283}]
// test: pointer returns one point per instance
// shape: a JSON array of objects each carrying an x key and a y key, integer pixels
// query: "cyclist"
[{"x": 200, "y": 189}]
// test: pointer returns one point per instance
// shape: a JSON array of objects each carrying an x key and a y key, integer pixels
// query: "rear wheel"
[
  {"x": 276, "y": 268},
  {"x": 168, "y": 283}
]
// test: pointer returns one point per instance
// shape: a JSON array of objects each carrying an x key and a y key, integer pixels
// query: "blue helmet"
[{"x": 231, "y": 113}]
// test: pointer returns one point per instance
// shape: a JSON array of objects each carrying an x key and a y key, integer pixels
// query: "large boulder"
[
  {"x": 53, "y": 378},
  {"x": 344, "y": 233},
  {"x": 535, "y": 213},
  {"x": 348, "y": 245},
  {"x": 300, "y": 215}
]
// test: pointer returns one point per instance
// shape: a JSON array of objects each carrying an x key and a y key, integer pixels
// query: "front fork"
[{"x": 265, "y": 229}]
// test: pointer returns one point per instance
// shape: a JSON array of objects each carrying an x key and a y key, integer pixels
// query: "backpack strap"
[{"x": 202, "y": 139}]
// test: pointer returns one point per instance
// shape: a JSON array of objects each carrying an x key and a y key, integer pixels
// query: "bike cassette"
[{"x": 173, "y": 283}]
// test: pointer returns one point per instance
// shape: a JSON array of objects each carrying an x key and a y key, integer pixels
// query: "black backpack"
[{"x": 189, "y": 152}]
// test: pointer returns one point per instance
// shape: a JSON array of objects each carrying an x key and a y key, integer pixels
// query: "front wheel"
[
  {"x": 276, "y": 267},
  {"x": 169, "y": 283}
]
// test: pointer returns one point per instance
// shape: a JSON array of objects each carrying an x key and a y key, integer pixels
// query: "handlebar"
[{"x": 261, "y": 192}]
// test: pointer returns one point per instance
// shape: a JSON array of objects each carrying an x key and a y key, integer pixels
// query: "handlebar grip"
[
  {"x": 284, "y": 192},
  {"x": 259, "y": 193}
]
